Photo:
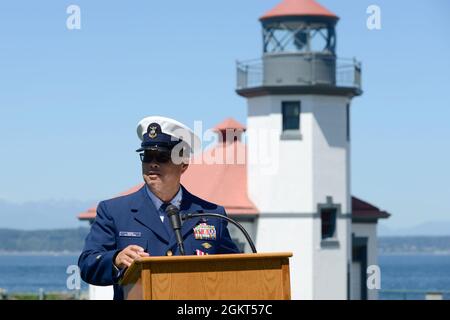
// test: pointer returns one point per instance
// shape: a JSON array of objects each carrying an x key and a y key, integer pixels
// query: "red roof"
[
  {"x": 298, "y": 8},
  {"x": 226, "y": 184},
  {"x": 222, "y": 183},
  {"x": 229, "y": 123},
  {"x": 364, "y": 210}
]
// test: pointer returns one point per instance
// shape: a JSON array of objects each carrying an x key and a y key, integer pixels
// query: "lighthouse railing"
[{"x": 250, "y": 73}]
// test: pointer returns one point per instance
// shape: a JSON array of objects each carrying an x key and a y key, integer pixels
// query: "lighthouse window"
[
  {"x": 319, "y": 40},
  {"x": 328, "y": 219},
  {"x": 291, "y": 115}
]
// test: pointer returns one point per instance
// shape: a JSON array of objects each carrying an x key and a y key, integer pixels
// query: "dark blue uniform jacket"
[{"x": 133, "y": 219}]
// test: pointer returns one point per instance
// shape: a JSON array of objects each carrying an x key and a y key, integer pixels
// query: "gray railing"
[{"x": 250, "y": 73}]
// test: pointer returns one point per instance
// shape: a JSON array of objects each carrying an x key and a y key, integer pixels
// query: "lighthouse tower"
[{"x": 298, "y": 139}]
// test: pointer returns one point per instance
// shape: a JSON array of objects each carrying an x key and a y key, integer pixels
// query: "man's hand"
[{"x": 126, "y": 257}]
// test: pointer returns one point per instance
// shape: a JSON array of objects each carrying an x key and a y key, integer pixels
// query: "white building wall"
[
  {"x": 276, "y": 166},
  {"x": 101, "y": 292},
  {"x": 330, "y": 149},
  {"x": 301, "y": 174},
  {"x": 331, "y": 179},
  {"x": 290, "y": 234},
  {"x": 331, "y": 264},
  {"x": 279, "y": 175}
]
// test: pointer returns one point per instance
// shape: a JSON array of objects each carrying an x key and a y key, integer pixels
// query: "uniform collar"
[
  {"x": 146, "y": 213},
  {"x": 176, "y": 200}
]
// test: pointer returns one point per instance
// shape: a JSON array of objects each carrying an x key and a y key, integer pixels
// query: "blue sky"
[{"x": 70, "y": 100}]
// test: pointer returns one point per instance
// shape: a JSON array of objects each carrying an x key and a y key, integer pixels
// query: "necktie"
[{"x": 166, "y": 221}]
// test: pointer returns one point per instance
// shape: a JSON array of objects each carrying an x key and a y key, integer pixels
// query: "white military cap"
[{"x": 157, "y": 132}]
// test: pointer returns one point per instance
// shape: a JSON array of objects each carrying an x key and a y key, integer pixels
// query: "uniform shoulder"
[{"x": 127, "y": 199}]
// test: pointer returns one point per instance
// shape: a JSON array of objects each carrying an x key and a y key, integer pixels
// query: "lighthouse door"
[{"x": 359, "y": 268}]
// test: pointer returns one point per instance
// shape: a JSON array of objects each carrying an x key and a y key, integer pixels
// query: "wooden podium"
[{"x": 255, "y": 276}]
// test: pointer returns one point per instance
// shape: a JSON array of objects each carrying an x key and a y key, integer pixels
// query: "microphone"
[{"x": 175, "y": 220}]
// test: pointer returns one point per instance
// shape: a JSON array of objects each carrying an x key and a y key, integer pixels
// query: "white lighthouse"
[{"x": 299, "y": 96}]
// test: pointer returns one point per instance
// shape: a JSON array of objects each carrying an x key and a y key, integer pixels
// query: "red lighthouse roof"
[
  {"x": 299, "y": 8},
  {"x": 229, "y": 123}
]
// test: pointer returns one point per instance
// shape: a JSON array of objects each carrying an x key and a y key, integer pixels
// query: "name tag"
[{"x": 129, "y": 234}]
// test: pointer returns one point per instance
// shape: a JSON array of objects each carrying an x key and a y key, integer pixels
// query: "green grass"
[{"x": 47, "y": 296}]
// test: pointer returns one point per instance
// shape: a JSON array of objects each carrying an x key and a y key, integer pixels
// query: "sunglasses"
[{"x": 160, "y": 157}]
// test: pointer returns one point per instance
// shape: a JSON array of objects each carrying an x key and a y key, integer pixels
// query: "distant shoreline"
[{"x": 444, "y": 253}]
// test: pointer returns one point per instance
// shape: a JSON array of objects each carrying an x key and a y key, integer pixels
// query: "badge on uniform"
[
  {"x": 205, "y": 231},
  {"x": 206, "y": 245},
  {"x": 129, "y": 234}
]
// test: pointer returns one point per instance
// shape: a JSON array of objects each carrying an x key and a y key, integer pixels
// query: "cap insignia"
[{"x": 152, "y": 132}]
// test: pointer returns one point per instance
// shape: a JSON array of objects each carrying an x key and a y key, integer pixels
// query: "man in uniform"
[{"x": 134, "y": 226}]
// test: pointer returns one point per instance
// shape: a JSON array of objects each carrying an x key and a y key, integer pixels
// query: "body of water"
[
  {"x": 29, "y": 273},
  {"x": 412, "y": 273},
  {"x": 415, "y": 274}
]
